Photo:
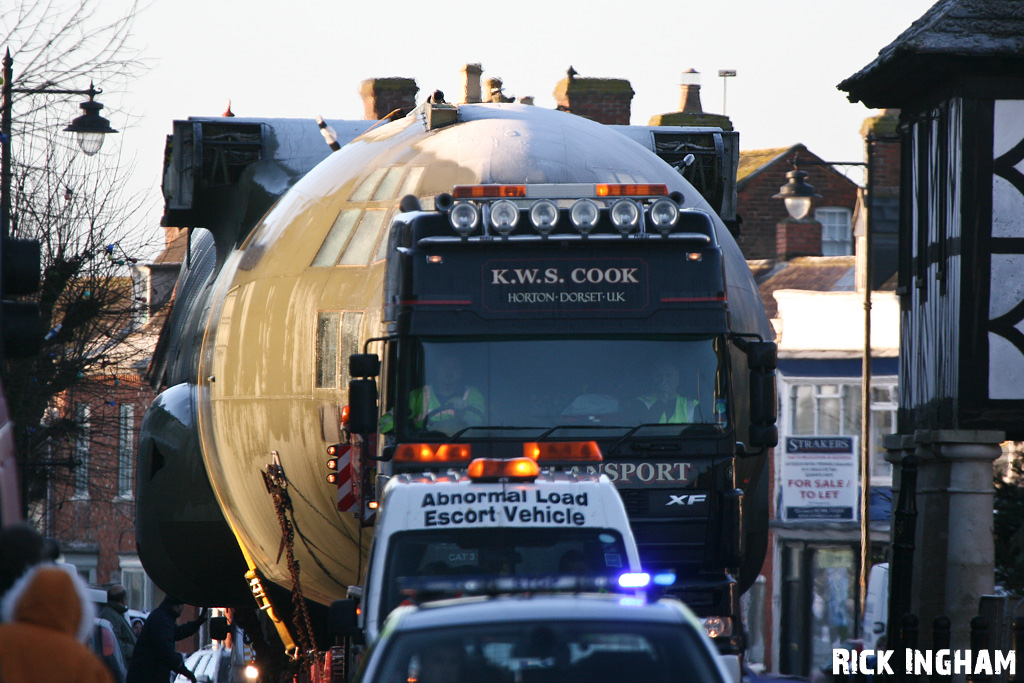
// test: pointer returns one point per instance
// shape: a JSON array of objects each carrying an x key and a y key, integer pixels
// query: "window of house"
[
  {"x": 84, "y": 563},
  {"x": 125, "y": 450},
  {"x": 142, "y": 592},
  {"x": 833, "y": 408},
  {"x": 836, "y": 235},
  {"x": 80, "y": 473}
]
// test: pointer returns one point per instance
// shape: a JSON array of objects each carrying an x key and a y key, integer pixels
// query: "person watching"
[
  {"x": 449, "y": 404},
  {"x": 664, "y": 404},
  {"x": 155, "y": 657},
  {"x": 114, "y": 612}
]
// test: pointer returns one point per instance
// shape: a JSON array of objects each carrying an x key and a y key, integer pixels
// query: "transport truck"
[{"x": 582, "y": 291}]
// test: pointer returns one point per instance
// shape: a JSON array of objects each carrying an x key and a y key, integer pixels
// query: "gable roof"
[
  {"x": 753, "y": 160},
  {"x": 954, "y": 38}
]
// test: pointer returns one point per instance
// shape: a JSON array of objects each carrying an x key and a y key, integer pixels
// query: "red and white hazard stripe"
[{"x": 346, "y": 498}]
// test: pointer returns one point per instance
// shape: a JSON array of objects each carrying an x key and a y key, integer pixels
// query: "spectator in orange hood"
[{"x": 47, "y": 618}]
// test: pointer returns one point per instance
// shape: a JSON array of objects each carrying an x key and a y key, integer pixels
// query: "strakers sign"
[{"x": 565, "y": 284}]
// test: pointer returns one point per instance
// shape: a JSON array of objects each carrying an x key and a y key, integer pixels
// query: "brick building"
[
  {"x": 767, "y": 231},
  {"x": 90, "y": 507}
]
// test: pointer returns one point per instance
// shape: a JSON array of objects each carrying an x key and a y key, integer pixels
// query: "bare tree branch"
[{"x": 80, "y": 211}]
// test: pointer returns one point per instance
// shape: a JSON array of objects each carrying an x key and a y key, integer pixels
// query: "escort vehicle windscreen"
[
  {"x": 505, "y": 551},
  {"x": 608, "y": 384}
]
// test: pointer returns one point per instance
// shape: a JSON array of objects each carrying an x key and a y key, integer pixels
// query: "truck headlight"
[
  {"x": 504, "y": 216},
  {"x": 625, "y": 215},
  {"x": 718, "y": 627},
  {"x": 584, "y": 214},
  {"x": 664, "y": 214},
  {"x": 464, "y": 216},
  {"x": 544, "y": 215}
]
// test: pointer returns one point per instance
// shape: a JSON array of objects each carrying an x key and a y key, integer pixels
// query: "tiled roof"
[
  {"x": 752, "y": 160},
  {"x": 175, "y": 251},
  {"x": 939, "y": 45},
  {"x": 807, "y": 273}
]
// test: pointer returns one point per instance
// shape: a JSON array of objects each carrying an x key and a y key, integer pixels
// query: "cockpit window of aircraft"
[
  {"x": 336, "y": 239},
  {"x": 388, "y": 187},
  {"x": 331, "y": 327},
  {"x": 366, "y": 188},
  {"x": 352, "y": 238},
  {"x": 360, "y": 247},
  {"x": 570, "y": 382}
]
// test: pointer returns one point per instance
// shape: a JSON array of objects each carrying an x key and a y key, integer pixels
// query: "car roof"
[{"x": 532, "y": 608}]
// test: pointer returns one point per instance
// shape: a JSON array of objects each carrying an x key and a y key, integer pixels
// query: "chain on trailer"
[{"x": 277, "y": 487}]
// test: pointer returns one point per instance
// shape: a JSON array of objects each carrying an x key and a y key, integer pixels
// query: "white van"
[
  {"x": 491, "y": 521},
  {"x": 876, "y": 606}
]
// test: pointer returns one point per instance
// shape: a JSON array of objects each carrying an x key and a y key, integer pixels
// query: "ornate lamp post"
[
  {"x": 20, "y": 258},
  {"x": 797, "y": 195}
]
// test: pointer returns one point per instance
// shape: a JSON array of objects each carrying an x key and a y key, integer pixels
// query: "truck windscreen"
[
  {"x": 508, "y": 551},
  {"x": 575, "y": 382}
]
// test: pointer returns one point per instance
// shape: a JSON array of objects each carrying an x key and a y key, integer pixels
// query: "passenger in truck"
[
  {"x": 449, "y": 403},
  {"x": 664, "y": 404}
]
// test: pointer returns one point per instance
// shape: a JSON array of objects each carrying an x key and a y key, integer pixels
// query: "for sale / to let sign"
[{"x": 819, "y": 478}]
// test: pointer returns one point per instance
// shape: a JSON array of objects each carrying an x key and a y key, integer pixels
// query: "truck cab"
[{"x": 494, "y": 518}]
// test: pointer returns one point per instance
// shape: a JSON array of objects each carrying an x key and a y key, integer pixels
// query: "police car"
[
  {"x": 496, "y": 518},
  {"x": 544, "y": 638}
]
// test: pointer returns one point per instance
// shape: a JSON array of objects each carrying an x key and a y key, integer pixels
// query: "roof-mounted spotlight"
[
  {"x": 544, "y": 216},
  {"x": 664, "y": 214},
  {"x": 625, "y": 216},
  {"x": 504, "y": 216},
  {"x": 584, "y": 215},
  {"x": 464, "y": 217}
]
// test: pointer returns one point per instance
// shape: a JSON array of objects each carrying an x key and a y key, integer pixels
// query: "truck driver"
[
  {"x": 449, "y": 404},
  {"x": 664, "y": 404}
]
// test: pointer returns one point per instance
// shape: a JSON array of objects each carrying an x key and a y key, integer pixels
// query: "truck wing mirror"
[
  {"x": 763, "y": 398},
  {"x": 762, "y": 355},
  {"x": 764, "y": 407},
  {"x": 363, "y": 365},
  {"x": 341, "y": 618},
  {"x": 362, "y": 406}
]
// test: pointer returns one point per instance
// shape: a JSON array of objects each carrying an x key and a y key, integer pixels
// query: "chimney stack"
[
  {"x": 381, "y": 96},
  {"x": 691, "y": 112},
  {"x": 689, "y": 93},
  {"x": 471, "y": 83},
  {"x": 605, "y": 100}
]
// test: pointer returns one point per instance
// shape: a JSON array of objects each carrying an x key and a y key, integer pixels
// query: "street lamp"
[
  {"x": 90, "y": 128},
  {"x": 797, "y": 194}
]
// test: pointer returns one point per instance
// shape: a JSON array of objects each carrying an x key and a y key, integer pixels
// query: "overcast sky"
[{"x": 300, "y": 59}]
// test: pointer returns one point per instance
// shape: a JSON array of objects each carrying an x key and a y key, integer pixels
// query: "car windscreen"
[
  {"x": 550, "y": 652},
  {"x": 505, "y": 551}
]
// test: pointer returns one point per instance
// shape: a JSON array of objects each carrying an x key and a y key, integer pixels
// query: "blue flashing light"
[
  {"x": 634, "y": 580},
  {"x": 665, "y": 579}
]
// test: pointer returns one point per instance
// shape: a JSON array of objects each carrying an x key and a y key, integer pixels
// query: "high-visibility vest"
[
  {"x": 424, "y": 401},
  {"x": 682, "y": 414}
]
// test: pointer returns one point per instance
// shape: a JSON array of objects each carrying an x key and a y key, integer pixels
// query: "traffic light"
[{"x": 21, "y": 268}]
